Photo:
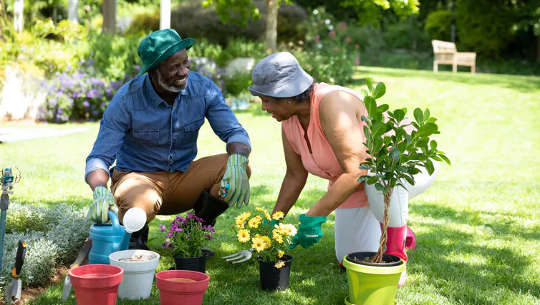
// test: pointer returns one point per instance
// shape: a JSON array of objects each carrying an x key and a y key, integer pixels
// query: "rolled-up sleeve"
[
  {"x": 222, "y": 119},
  {"x": 112, "y": 130}
]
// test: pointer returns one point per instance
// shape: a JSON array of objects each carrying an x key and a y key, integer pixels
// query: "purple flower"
[
  {"x": 170, "y": 234},
  {"x": 163, "y": 228},
  {"x": 86, "y": 104}
]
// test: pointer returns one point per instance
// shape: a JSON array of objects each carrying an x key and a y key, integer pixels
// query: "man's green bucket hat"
[{"x": 160, "y": 45}]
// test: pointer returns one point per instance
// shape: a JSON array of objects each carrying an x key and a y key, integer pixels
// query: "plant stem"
[{"x": 386, "y": 219}]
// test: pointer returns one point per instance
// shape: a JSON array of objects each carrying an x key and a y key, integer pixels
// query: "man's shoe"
[
  {"x": 139, "y": 239},
  {"x": 209, "y": 208}
]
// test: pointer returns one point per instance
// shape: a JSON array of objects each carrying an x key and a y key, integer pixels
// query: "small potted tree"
[{"x": 395, "y": 157}]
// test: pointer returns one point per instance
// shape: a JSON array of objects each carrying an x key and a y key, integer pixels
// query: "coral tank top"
[{"x": 321, "y": 161}]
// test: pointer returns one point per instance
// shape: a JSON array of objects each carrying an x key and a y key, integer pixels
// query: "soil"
[
  {"x": 181, "y": 279},
  {"x": 135, "y": 258}
]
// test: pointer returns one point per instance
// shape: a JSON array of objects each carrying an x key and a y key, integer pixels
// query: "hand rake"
[{"x": 239, "y": 257}]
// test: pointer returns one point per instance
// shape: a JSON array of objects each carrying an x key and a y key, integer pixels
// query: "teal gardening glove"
[
  {"x": 103, "y": 201},
  {"x": 309, "y": 231},
  {"x": 235, "y": 183}
]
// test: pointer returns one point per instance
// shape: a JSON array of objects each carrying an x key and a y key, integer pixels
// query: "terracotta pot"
[
  {"x": 96, "y": 284},
  {"x": 181, "y": 287}
]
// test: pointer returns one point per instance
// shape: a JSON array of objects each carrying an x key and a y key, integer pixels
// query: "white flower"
[{"x": 315, "y": 12}]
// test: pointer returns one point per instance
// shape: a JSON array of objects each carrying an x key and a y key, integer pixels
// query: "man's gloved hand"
[
  {"x": 103, "y": 201},
  {"x": 309, "y": 231},
  {"x": 235, "y": 183}
]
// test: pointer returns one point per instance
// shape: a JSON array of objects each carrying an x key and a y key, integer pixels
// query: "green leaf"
[
  {"x": 426, "y": 114},
  {"x": 371, "y": 106},
  {"x": 433, "y": 144},
  {"x": 395, "y": 154},
  {"x": 418, "y": 116},
  {"x": 372, "y": 180},
  {"x": 380, "y": 90},
  {"x": 369, "y": 84},
  {"x": 379, "y": 187},
  {"x": 399, "y": 114},
  {"x": 365, "y": 166},
  {"x": 362, "y": 179},
  {"x": 444, "y": 158},
  {"x": 383, "y": 108},
  {"x": 429, "y": 167}
]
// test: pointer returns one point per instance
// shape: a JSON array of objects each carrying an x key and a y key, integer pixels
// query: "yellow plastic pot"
[{"x": 372, "y": 284}]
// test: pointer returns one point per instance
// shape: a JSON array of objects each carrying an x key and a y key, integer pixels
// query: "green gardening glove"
[
  {"x": 309, "y": 231},
  {"x": 235, "y": 183},
  {"x": 103, "y": 201}
]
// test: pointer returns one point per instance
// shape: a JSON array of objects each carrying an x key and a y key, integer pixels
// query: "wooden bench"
[{"x": 446, "y": 53}]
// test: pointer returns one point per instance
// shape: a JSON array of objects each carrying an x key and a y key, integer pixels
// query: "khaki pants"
[{"x": 166, "y": 193}]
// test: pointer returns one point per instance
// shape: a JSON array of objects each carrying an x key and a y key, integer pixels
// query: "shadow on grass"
[
  {"x": 444, "y": 254},
  {"x": 519, "y": 83}
]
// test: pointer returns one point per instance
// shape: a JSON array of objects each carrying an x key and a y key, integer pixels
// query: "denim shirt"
[{"x": 146, "y": 134}]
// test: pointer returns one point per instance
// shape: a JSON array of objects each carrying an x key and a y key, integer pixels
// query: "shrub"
[
  {"x": 438, "y": 24},
  {"x": 53, "y": 236},
  {"x": 77, "y": 95},
  {"x": 144, "y": 22}
]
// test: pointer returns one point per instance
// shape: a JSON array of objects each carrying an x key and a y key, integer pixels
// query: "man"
[{"x": 151, "y": 127}]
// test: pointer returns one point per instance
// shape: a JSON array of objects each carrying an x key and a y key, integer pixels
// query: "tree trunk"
[
  {"x": 270, "y": 35},
  {"x": 538, "y": 48},
  {"x": 109, "y": 16},
  {"x": 386, "y": 219},
  {"x": 165, "y": 14},
  {"x": 18, "y": 13},
  {"x": 73, "y": 14}
]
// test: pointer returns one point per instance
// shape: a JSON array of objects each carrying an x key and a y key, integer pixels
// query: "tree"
[
  {"x": 109, "y": 16},
  {"x": 367, "y": 11},
  {"x": 240, "y": 11},
  {"x": 364, "y": 11}
]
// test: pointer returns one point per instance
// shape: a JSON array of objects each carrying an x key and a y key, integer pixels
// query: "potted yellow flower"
[{"x": 269, "y": 239}]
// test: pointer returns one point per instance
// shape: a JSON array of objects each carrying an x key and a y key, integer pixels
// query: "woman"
[{"x": 322, "y": 134}]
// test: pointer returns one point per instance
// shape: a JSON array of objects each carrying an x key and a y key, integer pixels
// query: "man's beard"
[{"x": 170, "y": 88}]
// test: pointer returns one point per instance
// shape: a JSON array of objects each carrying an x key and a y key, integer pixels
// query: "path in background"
[{"x": 14, "y": 134}]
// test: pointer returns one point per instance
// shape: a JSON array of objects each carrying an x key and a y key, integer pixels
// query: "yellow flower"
[
  {"x": 242, "y": 217},
  {"x": 267, "y": 241},
  {"x": 276, "y": 236},
  {"x": 258, "y": 244},
  {"x": 266, "y": 214},
  {"x": 255, "y": 222},
  {"x": 280, "y": 253},
  {"x": 239, "y": 224},
  {"x": 278, "y": 215},
  {"x": 279, "y": 264},
  {"x": 243, "y": 236}
]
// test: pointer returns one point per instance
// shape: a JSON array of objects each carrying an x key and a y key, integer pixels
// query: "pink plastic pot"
[
  {"x": 173, "y": 292},
  {"x": 96, "y": 284}
]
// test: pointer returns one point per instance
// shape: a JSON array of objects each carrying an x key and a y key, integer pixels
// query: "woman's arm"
[
  {"x": 294, "y": 180},
  {"x": 340, "y": 121}
]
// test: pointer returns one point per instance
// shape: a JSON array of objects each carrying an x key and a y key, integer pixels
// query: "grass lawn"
[{"x": 478, "y": 226}]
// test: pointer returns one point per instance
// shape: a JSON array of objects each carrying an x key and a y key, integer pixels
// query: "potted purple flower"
[{"x": 186, "y": 238}]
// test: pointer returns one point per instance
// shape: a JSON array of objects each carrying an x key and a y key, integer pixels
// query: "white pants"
[{"x": 358, "y": 229}]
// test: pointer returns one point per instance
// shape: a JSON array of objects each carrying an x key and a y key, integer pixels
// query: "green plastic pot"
[{"x": 372, "y": 284}]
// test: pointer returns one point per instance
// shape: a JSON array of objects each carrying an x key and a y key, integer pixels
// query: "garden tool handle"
[
  {"x": 83, "y": 254},
  {"x": 19, "y": 259}
]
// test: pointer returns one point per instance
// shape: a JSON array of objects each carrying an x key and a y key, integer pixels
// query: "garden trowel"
[
  {"x": 14, "y": 289},
  {"x": 83, "y": 254}
]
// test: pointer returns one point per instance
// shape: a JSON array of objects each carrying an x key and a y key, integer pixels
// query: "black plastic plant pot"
[
  {"x": 191, "y": 263},
  {"x": 363, "y": 258},
  {"x": 273, "y": 278}
]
